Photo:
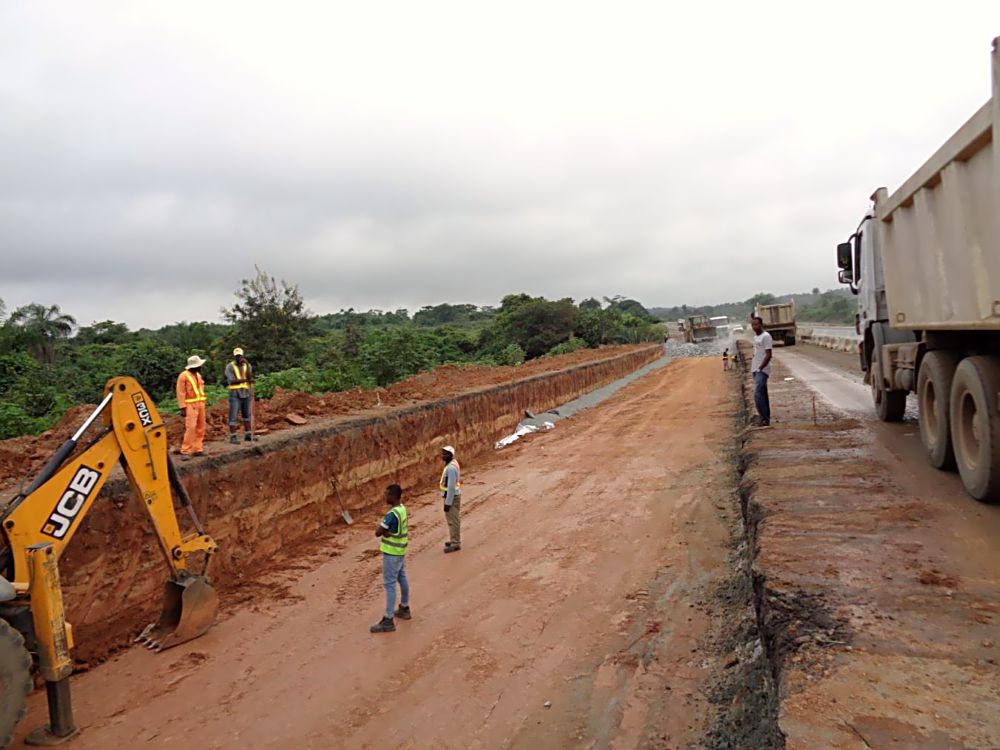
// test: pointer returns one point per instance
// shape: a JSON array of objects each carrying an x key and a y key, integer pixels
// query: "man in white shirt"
[{"x": 761, "y": 370}]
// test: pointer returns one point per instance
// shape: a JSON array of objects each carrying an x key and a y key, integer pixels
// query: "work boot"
[
  {"x": 247, "y": 437},
  {"x": 403, "y": 612},
  {"x": 233, "y": 439},
  {"x": 385, "y": 625},
  {"x": 450, "y": 547}
]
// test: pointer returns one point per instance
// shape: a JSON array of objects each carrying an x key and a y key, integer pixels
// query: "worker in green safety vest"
[{"x": 394, "y": 531}]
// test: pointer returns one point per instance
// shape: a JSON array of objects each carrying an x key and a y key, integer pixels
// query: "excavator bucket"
[{"x": 189, "y": 609}]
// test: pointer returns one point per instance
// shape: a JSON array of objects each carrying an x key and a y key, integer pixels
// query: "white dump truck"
[
  {"x": 779, "y": 321},
  {"x": 925, "y": 264}
]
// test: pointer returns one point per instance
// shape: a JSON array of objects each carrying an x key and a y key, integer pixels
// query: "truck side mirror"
[
  {"x": 845, "y": 276},
  {"x": 844, "y": 252}
]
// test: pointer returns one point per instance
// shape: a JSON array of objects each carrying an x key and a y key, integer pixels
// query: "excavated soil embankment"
[
  {"x": 21, "y": 458},
  {"x": 261, "y": 502}
]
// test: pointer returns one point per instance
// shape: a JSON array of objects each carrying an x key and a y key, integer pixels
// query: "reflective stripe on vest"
[
  {"x": 240, "y": 376},
  {"x": 199, "y": 392},
  {"x": 443, "y": 486},
  {"x": 395, "y": 544}
]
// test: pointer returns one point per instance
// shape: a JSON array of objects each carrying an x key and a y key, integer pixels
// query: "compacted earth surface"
[{"x": 582, "y": 610}]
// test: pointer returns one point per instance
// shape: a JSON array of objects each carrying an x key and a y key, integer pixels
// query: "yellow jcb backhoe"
[{"x": 39, "y": 523}]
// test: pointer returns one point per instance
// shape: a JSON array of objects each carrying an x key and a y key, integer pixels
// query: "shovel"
[{"x": 344, "y": 513}]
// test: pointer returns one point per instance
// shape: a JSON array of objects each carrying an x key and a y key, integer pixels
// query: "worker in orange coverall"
[{"x": 191, "y": 400}]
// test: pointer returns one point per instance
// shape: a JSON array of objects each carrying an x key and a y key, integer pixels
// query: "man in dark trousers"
[
  {"x": 394, "y": 532},
  {"x": 239, "y": 378},
  {"x": 760, "y": 369}
]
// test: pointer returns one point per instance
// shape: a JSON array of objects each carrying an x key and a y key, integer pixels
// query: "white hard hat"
[
  {"x": 237, "y": 351},
  {"x": 195, "y": 361},
  {"x": 449, "y": 449}
]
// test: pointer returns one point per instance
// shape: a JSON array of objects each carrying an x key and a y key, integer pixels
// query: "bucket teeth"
[
  {"x": 147, "y": 639},
  {"x": 189, "y": 609}
]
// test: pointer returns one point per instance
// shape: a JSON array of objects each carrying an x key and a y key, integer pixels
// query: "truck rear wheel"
[
  {"x": 975, "y": 425},
  {"x": 15, "y": 681},
  {"x": 934, "y": 393},
  {"x": 889, "y": 405}
]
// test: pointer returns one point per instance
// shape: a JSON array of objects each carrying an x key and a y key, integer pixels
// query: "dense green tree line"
[{"x": 48, "y": 363}]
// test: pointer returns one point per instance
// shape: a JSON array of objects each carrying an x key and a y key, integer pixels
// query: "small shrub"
[
  {"x": 292, "y": 379},
  {"x": 14, "y": 421},
  {"x": 572, "y": 345},
  {"x": 511, "y": 355}
]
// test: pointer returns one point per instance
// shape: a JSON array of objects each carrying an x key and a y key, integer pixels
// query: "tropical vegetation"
[{"x": 48, "y": 363}]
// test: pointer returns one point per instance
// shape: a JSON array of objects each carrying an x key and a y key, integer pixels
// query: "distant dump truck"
[
  {"x": 779, "y": 321},
  {"x": 925, "y": 264},
  {"x": 698, "y": 328}
]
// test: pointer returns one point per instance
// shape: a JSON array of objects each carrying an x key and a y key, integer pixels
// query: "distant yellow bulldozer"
[
  {"x": 39, "y": 523},
  {"x": 699, "y": 328}
]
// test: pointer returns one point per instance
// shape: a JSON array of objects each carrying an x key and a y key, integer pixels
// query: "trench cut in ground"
[{"x": 260, "y": 502}]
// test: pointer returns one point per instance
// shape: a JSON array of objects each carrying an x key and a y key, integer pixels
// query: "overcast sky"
[{"x": 385, "y": 154}]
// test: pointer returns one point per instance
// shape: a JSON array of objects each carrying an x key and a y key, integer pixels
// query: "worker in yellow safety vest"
[
  {"x": 451, "y": 493},
  {"x": 191, "y": 400},
  {"x": 394, "y": 532},
  {"x": 239, "y": 378}
]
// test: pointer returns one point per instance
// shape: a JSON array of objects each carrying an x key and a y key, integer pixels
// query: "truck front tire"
[
  {"x": 937, "y": 370},
  {"x": 975, "y": 425},
  {"x": 889, "y": 405}
]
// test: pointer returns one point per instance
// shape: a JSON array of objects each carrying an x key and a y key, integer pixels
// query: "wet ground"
[{"x": 878, "y": 577}]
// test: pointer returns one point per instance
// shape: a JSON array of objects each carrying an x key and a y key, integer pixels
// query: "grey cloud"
[{"x": 147, "y": 168}]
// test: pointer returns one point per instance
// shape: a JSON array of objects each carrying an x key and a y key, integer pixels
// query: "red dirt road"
[{"x": 587, "y": 554}]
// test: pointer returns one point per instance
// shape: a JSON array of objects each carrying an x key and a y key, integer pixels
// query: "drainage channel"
[{"x": 546, "y": 420}]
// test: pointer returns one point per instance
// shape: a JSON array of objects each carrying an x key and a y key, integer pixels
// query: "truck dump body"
[
  {"x": 779, "y": 321},
  {"x": 939, "y": 232},
  {"x": 777, "y": 316}
]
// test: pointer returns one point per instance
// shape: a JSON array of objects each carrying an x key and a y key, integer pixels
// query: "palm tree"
[{"x": 39, "y": 327}]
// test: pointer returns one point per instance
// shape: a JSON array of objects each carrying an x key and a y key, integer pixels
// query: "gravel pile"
[{"x": 679, "y": 349}]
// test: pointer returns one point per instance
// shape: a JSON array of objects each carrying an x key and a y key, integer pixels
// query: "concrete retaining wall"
[{"x": 836, "y": 343}]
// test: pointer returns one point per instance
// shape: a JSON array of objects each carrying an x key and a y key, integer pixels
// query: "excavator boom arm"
[
  {"x": 135, "y": 435},
  {"x": 41, "y": 522}
]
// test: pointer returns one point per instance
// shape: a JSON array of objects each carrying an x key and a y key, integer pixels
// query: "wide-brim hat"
[{"x": 195, "y": 361}]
